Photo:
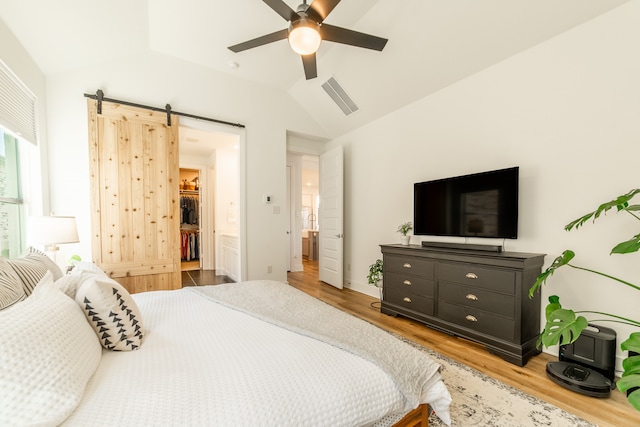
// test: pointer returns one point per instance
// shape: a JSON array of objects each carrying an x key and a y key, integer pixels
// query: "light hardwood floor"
[{"x": 612, "y": 411}]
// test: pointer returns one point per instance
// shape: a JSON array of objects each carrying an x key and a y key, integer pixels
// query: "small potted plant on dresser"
[
  {"x": 375, "y": 278},
  {"x": 404, "y": 229}
]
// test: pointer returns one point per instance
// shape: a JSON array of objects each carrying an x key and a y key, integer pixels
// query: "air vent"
[{"x": 339, "y": 96}]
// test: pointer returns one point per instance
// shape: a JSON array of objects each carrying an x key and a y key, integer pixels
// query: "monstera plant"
[{"x": 564, "y": 326}]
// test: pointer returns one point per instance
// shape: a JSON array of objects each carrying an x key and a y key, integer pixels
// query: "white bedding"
[{"x": 206, "y": 364}]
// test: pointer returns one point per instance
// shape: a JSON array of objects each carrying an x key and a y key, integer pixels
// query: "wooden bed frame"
[{"x": 419, "y": 417}]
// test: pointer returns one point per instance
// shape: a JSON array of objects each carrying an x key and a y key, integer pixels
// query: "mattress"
[{"x": 204, "y": 363}]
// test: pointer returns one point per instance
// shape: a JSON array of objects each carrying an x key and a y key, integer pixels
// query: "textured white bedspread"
[{"x": 206, "y": 364}]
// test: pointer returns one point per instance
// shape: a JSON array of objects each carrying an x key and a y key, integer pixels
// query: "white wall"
[
  {"x": 566, "y": 111},
  {"x": 155, "y": 80}
]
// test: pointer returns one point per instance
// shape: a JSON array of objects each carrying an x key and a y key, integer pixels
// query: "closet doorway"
[{"x": 210, "y": 202}]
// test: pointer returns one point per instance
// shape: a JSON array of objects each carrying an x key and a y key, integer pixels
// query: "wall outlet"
[{"x": 269, "y": 269}]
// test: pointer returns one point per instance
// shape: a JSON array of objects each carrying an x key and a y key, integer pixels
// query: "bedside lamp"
[{"x": 51, "y": 231}]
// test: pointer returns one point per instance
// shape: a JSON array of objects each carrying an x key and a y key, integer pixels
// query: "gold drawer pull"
[
  {"x": 471, "y": 276},
  {"x": 406, "y": 265},
  {"x": 471, "y": 318},
  {"x": 406, "y": 299},
  {"x": 407, "y": 282},
  {"x": 471, "y": 297}
]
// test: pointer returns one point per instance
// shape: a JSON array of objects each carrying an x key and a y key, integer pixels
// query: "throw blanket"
[{"x": 412, "y": 371}]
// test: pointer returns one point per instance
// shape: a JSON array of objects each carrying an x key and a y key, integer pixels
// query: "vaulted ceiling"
[{"x": 432, "y": 43}]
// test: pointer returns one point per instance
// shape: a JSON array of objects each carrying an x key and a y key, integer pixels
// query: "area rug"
[{"x": 479, "y": 400}]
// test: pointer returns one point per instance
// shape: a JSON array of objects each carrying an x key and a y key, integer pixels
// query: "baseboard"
[{"x": 362, "y": 288}]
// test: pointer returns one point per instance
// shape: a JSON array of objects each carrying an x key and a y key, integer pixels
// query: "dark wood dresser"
[{"x": 478, "y": 295}]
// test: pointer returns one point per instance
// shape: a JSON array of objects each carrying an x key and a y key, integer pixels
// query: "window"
[
  {"x": 11, "y": 201},
  {"x": 20, "y": 169}
]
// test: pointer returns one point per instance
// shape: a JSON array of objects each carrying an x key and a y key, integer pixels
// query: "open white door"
[{"x": 331, "y": 217}]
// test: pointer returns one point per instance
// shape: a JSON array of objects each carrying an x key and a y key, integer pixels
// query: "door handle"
[{"x": 339, "y": 236}]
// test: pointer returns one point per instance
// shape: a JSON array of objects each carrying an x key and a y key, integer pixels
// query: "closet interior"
[{"x": 190, "y": 211}]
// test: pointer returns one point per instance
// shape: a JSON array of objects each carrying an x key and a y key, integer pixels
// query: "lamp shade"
[
  {"x": 51, "y": 230},
  {"x": 304, "y": 37}
]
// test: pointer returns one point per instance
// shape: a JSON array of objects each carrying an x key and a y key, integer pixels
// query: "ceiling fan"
[{"x": 307, "y": 30}]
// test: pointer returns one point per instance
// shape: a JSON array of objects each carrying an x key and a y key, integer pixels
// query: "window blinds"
[{"x": 17, "y": 105}]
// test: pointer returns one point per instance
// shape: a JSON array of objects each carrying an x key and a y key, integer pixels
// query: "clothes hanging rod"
[{"x": 99, "y": 96}]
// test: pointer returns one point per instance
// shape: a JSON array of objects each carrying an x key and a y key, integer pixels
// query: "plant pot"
[{"x": 404, "y": 240}]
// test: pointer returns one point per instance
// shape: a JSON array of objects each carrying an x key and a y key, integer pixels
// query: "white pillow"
[
  {"x": 85, "y": 266},
  {"x": 48, "y": 354},
  {"x": 82, "y": 272},
  {"x": 70, "y": 283},
  {"x": 112, "y": 313}
]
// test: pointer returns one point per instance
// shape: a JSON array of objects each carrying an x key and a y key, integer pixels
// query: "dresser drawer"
[
  {"x": 477, "y": 320},
  {"x": 408, "y": 265},
  {"x": 416, "y": 285},
  {"x": 478, "y": 277},
  {"x": 475, "y": 298},
  {"x": 410, "y": 301}
]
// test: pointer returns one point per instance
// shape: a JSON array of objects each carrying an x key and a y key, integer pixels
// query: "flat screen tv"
[{"x": 477, "y": 205}]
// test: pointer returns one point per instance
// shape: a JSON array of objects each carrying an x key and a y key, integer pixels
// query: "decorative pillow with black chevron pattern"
[{"x": 112, "y": 313}]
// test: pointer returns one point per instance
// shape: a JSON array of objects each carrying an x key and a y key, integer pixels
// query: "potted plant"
[
  {"x": 564, "y": 326},
  {"x": 375, "y": 275},
  {"x": 404, "y": 229}
]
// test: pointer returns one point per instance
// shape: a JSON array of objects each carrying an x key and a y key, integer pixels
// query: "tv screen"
[{"x": 477, "y": 205}]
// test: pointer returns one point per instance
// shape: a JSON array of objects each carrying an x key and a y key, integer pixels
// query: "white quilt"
[{"x": 206, "y": 364}]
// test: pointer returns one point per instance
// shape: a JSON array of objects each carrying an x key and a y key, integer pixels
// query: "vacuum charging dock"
[{"x": 587, "y": 366}]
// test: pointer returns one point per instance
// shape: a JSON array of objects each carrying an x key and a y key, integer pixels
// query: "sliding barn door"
[{"x": 135, "y": 217}]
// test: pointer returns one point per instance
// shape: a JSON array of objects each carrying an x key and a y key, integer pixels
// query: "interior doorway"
[
  {"x": 212, "y": 157},
  {"x": 310, "y": 199},
  {"x": 303, "y": 198},
  {"x": 303, "y": 166}
]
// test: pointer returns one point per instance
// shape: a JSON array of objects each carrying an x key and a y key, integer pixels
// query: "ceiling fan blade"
[
  {"x": 309, "y": 64},
  {"x": 353, "y": 38},
  {"x": 322, "y": 8},
  {"x": 282, "y": 9},
  {"x": 259, "y": 41}
]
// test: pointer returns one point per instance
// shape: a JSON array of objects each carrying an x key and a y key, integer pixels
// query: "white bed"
[{"x": 207, "y": 359}]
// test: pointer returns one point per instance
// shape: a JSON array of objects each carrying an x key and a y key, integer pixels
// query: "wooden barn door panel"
[{"x": 135, "y": 196}]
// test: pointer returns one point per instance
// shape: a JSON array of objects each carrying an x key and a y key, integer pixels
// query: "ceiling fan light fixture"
[{"x": 304, "y": 36}]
